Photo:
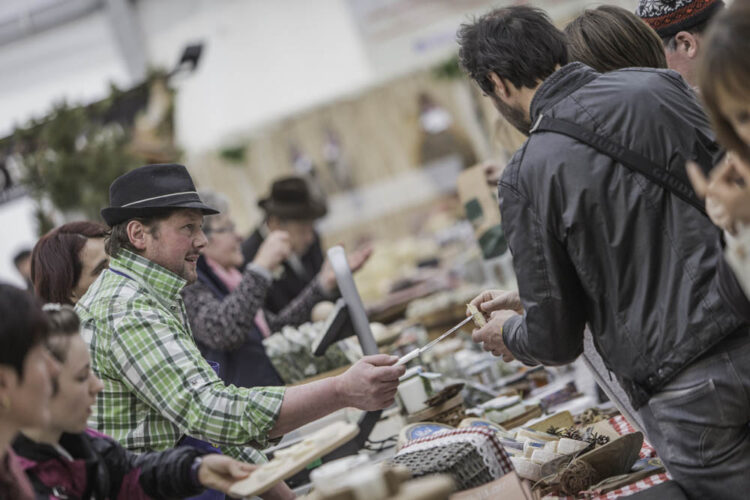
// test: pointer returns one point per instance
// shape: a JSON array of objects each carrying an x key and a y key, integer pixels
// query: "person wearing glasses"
[{"x": 226, "y": 306}]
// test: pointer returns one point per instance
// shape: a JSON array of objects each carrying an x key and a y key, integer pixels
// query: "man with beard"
[
  {"x": 157, "y": 386},
  {"x": 605, "y": 230}
]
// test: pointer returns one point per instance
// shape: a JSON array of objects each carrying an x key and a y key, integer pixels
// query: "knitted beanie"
[{"x": 669, "y": 17}]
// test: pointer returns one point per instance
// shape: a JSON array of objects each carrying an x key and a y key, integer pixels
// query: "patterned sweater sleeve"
[{"x": 224, "y": 323}]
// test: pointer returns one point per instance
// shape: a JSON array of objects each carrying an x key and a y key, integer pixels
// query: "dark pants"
[{"x": 698, "y": 423}]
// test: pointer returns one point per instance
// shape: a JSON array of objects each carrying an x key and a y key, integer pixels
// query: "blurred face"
[
  {"x": 93, "y": 261},
  {"x": 29, "y": 397},
  {"x": 301, "y": 233},
  {"x": 24, "y": 267},
  {"x": 737, "y": 113},
  {"x": 177, "y": 243},
  {"x": 224, "y": 242},
  {"x": 77, "y": 387}
]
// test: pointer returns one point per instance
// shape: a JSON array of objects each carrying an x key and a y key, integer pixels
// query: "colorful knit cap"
[{"x": 669, "y": 17}]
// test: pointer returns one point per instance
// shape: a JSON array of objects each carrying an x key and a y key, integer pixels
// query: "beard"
[{"x": 513, "y": 115}]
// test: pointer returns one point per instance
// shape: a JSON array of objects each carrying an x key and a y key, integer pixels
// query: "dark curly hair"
[{"x": 519, "y": 44}]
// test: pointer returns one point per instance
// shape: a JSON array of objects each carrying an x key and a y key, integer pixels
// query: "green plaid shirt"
[{"x": 157, "y": 386}]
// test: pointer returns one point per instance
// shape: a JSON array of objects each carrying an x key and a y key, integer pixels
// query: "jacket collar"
[
  {"x": 209, "y": 278},
  {"x": 559, "y": 85},
  {"x": 159, "y": 280},
  {"x": 31, "y": 452}
]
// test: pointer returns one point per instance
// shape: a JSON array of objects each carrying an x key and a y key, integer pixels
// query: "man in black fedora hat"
[
  {"x": 293, "y": 207},
  {"x": 157, "y": 386}
]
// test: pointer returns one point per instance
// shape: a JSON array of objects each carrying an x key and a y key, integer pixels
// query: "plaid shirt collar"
[{"x": 162, "y": 282}]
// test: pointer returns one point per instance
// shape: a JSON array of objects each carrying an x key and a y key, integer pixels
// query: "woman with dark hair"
[
  {"x": 608, "y": 38},
  {"x": 66, "y": 260},
  {"x": 723, "y": 77},
  {"x": 26, "y": 372},
  {"x": 64, "y": 459}
]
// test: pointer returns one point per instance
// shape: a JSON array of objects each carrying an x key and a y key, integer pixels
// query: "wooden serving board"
[{"x": 290, "y": 461}]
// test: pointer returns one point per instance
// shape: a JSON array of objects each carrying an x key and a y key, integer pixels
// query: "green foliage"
[
  {"x": 71, "y": 160},
  {"x": 70, "y": 157},
  {"x": 449, "y": 69},
  {"x": 235, "y": 154}
]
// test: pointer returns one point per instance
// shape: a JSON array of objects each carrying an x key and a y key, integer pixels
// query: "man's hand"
[
  {"x": 496, "y": 300},
  {"x": 220, "y": 472},
  {"x": 356, "y": 260},
  {"x": 275, "y": 249},
  {"x": 491, "y": 335},
  {"x": 727, "y": 191},
  {"x": 370, "y": 384}
]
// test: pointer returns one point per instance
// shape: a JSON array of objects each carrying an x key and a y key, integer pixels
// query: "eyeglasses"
[{"x": 229, "y": 228}]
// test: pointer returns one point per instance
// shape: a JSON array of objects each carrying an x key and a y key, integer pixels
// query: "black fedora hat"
[
  {"x": 149, "y": 190},
  {"x": 292, "y": 198}
]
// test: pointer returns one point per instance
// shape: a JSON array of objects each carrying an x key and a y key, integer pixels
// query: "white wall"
[
  {"x": 18, "y": 232},
  {"x": 76, "y": 61},
  {"x": 262, "y": 60}
]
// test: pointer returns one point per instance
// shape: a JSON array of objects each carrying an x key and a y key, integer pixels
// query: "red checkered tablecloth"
[
  {"x": 635, "y": 487},
  {"x": 630, "y": 489},
  {"x": 622, "y": 427}
]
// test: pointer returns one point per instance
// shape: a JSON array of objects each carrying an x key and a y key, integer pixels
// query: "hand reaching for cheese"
[
  {"x": 496, "y": 306},
  {"x": 497, "y": 300}
]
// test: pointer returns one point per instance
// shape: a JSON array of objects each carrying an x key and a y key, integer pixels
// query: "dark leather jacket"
[
  {"x": 102, "y": 469},
  {"x": 594, "y": 242}
]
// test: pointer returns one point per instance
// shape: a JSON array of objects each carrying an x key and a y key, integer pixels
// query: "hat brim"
[
  {"x": 115, "y": 215},
  {"x": 295, "y": 211}
]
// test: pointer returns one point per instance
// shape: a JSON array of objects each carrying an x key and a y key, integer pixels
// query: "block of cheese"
[
  {"x": 527, "y": 469},
  {"x": 567, "y": 446}
]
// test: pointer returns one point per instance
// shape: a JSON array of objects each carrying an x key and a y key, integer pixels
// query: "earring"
[{"x": 4, "y": 403}]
